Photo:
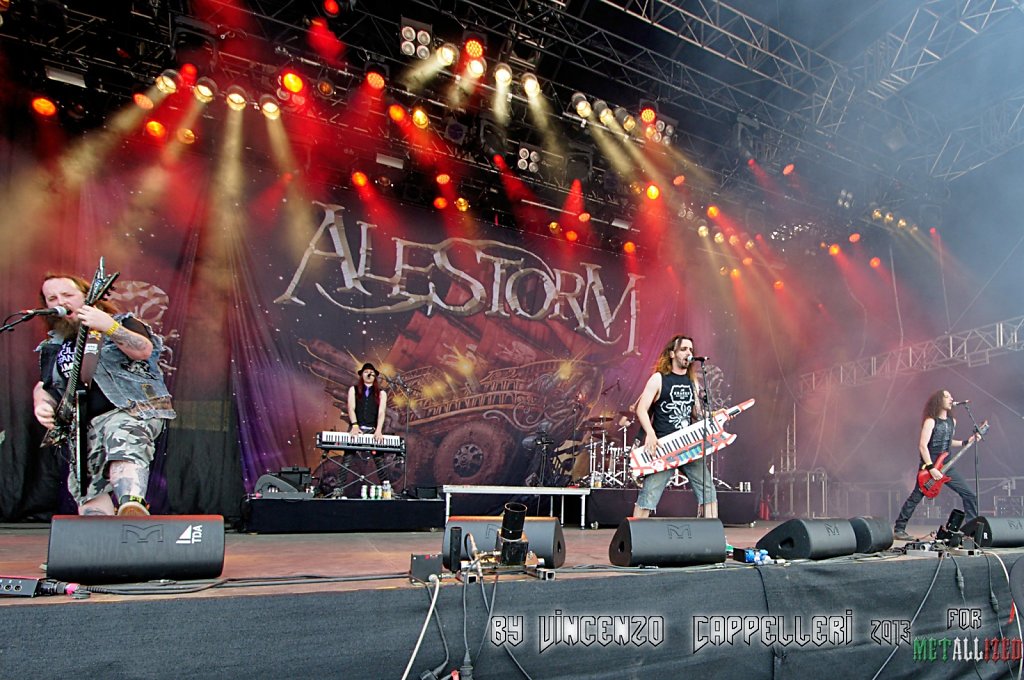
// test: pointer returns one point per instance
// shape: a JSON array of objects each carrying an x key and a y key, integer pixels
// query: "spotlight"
[
  {"x": 447, "y": 54},
  {"x": 461, "y": 204},
  {"x": 270, "y": 107},
  {"x": 875, "y": 262},
  {"x": 473, "y": 45},
  {"x": 554, "y": 227},
  {"x": 236, "y": 98},
  {"x": 331, "y": 8},
  {"x": 359, "y": 179},
  {"x": 530, "y": 158},
  {"x": 420, "y": 118},
  {"x": 440, "y": 202},
  {"x": 834, "y": 249},
  {"x": 476, "y": 67},
  {"x": 581, "y": 105},
  {"x": 604, "y": 113},
  {"x": 531, "y": 86},
  {"x": 156, "y": 129},
  {"x": 186, "y": 136},
  {"x": 719, "y": 237},
  {"x": 376, "y": 76},
  {"x": 168, "y": 81},
  {"x": 778, "y": 285},
  {"x": 648, "y": 112},
  {"x": 44, "y": 107},
  {"x": 503, "y": 75},
  {"x": 629, "y": 248},
  {"x": 572, "y": 236},
  {"x": 205, "y": 90},
  {"x": 143, "y": 101},
  {"x": 854, "y": 237},
  {"x": 416, "y": 38},
  {"x": 713, "y": 211},
  {"x": 734, "y": 240},
  {"x": 788, "y": 169},
  {"x": 703, "y": 231},
  {"x": 443, "y": 178},
  {"x": 625, "y": 119},
  {"x": 396, "y": 112},
  {"x": 324, "y": 87},
  {"x": 653, "y": 192}
]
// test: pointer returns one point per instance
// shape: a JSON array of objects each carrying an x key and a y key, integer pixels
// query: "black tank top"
[
  {"x": 672, "y": 410},
  {"x": 942, "y": 436}
]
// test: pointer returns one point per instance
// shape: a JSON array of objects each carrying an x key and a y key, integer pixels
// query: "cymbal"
[{"x": 599, "y": 419}]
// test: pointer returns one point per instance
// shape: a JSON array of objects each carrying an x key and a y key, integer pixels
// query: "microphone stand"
[
  {"x": 706, "y": 401},
  {"x": 407, "y": 393},
  {"x": 25, "y": 316},
  {"x": 977, "y": 449}
]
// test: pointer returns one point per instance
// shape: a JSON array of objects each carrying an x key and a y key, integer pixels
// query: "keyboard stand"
[{"x": 344, "y": 470}]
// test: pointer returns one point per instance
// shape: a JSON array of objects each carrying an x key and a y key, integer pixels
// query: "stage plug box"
[
  {"x": 12, "y": 586},
  {"x": 422, "y": 567}
]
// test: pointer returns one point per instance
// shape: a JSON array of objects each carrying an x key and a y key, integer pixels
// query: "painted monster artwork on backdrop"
[{"x": 484, "y": 343}]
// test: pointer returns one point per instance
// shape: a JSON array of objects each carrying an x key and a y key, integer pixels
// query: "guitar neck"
[{"x": 952, "y": 461}]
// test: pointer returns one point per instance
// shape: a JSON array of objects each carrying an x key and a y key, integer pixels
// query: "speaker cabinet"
[
  {"x": 814, "y": 539},
  {"x": 996, "y": 532},
  {"x": 98, "y": 550},
  {"x": 543, "y": 533},
  {"x": 667, "y": 542},
  {"x": 874, "y": 534}
]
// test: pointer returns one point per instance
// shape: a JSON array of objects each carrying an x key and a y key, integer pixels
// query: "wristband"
[
  {"x": 113, "y": 329},
  {"x": 929, "y": 466}
]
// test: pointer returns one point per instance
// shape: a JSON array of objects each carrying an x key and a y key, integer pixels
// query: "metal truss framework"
[
  {"x": 974, "y": 347},
  {"x": 827, "y": 93}
]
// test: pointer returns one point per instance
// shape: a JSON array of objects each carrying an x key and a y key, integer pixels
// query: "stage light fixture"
[
  {"x": 492, "y": 136},
  {"x": 788, "y": 169},
  {"x": 584, "y": 217},
  {"x": 750, "y": 245},
  {"x": 703, "y": 231},
  {"x": 648, "y": 112},
  {"x": 396, "y": 112},
  {"x": 325, "y": 87},
  {"x": 461, "y": 204},
  {"x": 572, "y": 236},
  {"x": 443, "y": 178},
  {"x": 168, "y": 81},
  {"x": 653, "y": 192},
  {"x": 625, "y": 119},
  {"x": 503, "y": 75},
  {"x": 420, "y": 118},
  {"x": 713, "y": 211},
  {"x": 531, "y": 86},
  {"x": 603, "y": 112},
  {"x": 629, "y": 248},
  {"x": 205, "y": 90},
  {"x": 143, "y": 101},
  {"x": 447, "y": 54},
  {"x": 529, "y": 158},
  {"x": 331, "y": 8},
  {"x": 291, "y": 81},
  {"x": 875, "y": 262},
  {"x": 778, "y": 284},
  {"x": 834, "y": 249},
  {"x": 416, "y": 38},
  {"x": 554, "y": 227},
  {"x": 473, "y": 44},
  {"x": 901, "y": 223},
  {"x": 440, "y": 202},
  {"x": 156, "y": 129},
  {"x": 719, "y": 237},
  {"x": 236, "y": 98},
  {"x": 581, "y": 105},
  {"x": 679, "y": 180},
  {"x": 477, "y": 67},
  {"x": 186, "y": 135},
  {"x": 854, "y": 237},
  {"x": 44, "y": 106},
  {"x": 845, "y": 199},
  {"x": 454, "y": 131},
  {"x": 876, "y": 215},
  {"x": 270, "y": 107},
  {"x": 359, "y": 179},
  {"x": 376, "y": 76}
]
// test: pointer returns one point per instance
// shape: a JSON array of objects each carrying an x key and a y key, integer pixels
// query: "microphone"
[
  {"x": 961, "y": 403},
  {"x": 700, "y": 359},
  {"x": 47, "y": 311}
]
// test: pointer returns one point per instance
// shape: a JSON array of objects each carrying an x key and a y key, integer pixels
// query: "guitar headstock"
[{"x": 101, "y": 285}]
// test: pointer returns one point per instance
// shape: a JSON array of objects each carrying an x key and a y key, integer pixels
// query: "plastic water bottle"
[
  {"x": 365, "y": 491},
  {"x": 386, "y": 490}
]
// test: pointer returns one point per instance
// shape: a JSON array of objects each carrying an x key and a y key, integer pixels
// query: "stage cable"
[
  {"x": 994, "y": 602},
  {"x": 426, "y": 623}
]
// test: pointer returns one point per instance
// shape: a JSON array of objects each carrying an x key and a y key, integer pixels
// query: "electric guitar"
[
  {"x": 69, "y": 414},
  {"x": 930, "y": 486}
]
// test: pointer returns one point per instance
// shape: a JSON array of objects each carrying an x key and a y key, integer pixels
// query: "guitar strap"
[{"x": 90, "y": 356}]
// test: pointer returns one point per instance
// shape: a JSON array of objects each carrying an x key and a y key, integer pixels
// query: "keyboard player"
[
  {"x": 669, "y": 403},
  {"x": 367, "y": 406}
]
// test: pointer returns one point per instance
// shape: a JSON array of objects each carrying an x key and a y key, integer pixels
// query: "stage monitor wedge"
[
  {"x": 99, "y": 550},
  {"x": 996, "y": 532},
  {"x": 667, "y": 542},
  {"x": 814, "y": 539},
  {"x": 874, "y": 534}
]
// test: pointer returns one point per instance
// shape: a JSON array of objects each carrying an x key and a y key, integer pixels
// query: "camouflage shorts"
[{"x": 113, "y": 436}]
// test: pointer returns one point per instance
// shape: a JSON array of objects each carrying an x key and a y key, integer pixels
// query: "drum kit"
[{"x": 602, "y": 453}]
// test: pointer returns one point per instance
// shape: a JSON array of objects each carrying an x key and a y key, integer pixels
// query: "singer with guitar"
[
  {"x": 120, "y": 402},
  {"x": 668, "y": 403},
  {"x": 936, "y": 439}
]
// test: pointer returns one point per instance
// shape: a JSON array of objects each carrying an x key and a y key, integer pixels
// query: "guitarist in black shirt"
[
  {"x": 121, "y": 394},
  {"x": 936, "y": 438}
]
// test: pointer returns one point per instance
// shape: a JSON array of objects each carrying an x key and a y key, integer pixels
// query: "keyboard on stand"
[{"x": 345, "y": 441}]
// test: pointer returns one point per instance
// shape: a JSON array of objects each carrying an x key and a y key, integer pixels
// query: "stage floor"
[{"x": 363, "y": 560}]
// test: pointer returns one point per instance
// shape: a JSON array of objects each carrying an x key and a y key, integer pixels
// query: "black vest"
[{"x": 674, "y": 406}]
